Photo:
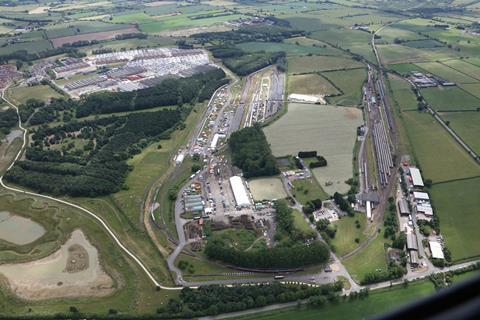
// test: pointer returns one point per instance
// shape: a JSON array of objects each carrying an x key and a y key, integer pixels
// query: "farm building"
[
  {"x": 421, "y": 196},
  {"x": 403, "y": 207},
  {"x": 436, "y": 250},
  {"x": 239, "y": 192},
  {"x": 412, "y": 241},
  {"x": 416, "y": 177}
]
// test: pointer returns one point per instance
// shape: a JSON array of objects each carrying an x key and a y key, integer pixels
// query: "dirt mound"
[{"x": 77, "y": 259}]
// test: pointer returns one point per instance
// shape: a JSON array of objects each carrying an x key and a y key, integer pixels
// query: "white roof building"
[
  {"x": 239, "y": 191},
  {"x": 416, "y": 177},
  {"x": 423, "y": 196},
  {"x": 426, "y": 209},
  {"x": 303, "y": 98},
  {"x": 436, "y": 249}
]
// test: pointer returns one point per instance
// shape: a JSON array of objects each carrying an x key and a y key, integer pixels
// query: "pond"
[{"x": 19, "y": 230}]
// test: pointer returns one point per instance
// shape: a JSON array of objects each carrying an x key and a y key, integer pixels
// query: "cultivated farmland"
[
  {"x": 450, "y": 99},
  {"x": 467, "y": 126},
  {"x": 329, "y": 130}
]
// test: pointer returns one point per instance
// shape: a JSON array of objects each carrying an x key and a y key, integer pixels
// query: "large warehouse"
[
  {"x": 239, "y": 192},
  {"x": 416, "y": 177}
]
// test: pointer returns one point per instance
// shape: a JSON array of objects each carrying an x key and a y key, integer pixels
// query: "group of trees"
[
  {"x": 251, "y": 152},
  {"x": 320, "y": 161},
  {"x": 8, "y": 120},
  {"x": 286, "y": 232},
  {"x": 103, "y": 170},
  {"x": 26, "y": 56},
  {"x": 390, "y": 222},
  {"x": 247, "y": 63},
  {"x": 212, "y": 300},
  {"x": 342, "y": 203},
  {"x": 173, "y": 91},
  {"x": 393, "y": 271},
  {"x": 278, "y": 257}
]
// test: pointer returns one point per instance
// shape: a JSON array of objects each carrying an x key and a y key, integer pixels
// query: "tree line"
[
  {"x": 251, "y": 152},
  {"x": 173, "y": 91}
]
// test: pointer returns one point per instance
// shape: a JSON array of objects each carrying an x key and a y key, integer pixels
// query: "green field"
[
  {"x": 289, "y": 48},
  {"x": 347, "y": 232},
  {"x": 466, "y": 125},
  {"x": 30, "y": 46},
  {"x": 446, "y": 73},
  {"x": 306, "y": 190},
  {"x": 299, "y": 221},
  {"x": 465, "y": 67},
  {"x": 404, "y": 68},
  {"x": 440, "y": 157},
  {"x": 402, "y": 93},
  {"x": 267, "y": 189},
  {"x": 378, "y": 302},
  {"x": 312, "y": 84},
  {"x": 369, "y": 259},
  {"x": 329, "y": 130},
  {"x": 350, "y": 82},
  {"x": 450, "y": 98},
  {"x": 310, "y": 64},
  {"x": 456, "y": 203},
  {"x": 42, "y": 92}
]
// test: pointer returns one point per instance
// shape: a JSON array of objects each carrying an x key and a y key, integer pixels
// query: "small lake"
[{"x": 19, "y": 230}]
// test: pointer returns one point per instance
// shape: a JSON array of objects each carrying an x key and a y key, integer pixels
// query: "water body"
[{"x": 19, "y": 230}]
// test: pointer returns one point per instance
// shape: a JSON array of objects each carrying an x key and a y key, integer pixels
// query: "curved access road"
[{"x": 88, "y": 212}]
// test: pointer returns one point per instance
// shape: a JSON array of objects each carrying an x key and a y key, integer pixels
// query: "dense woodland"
[
  {"x": 100, "y": 168},
  {"x": 251, "y": 152},
  {"x": 174, "y": 91},
  {"x": 212, "y": 300}
]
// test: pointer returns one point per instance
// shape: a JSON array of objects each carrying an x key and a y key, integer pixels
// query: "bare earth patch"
[
  {"x": 103, "y": 35},
  {"x": 72, "y": 271}
]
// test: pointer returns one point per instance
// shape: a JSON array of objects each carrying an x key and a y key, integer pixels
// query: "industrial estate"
[{"x": 250, "y": 159}]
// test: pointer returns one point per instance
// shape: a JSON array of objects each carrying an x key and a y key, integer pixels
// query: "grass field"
[
  {"x": 394, "y": 53},
  {"x": 312, "y": 84},
  {"x": 402, "y": 93},
  {"x": 465, "y": 67},
  {"x": 43, "y": 92},
  {"x": 437, "y": 153},
  {"x": 472, "y": 88},
  {"x": 31, "y": 46},
  {"x": 267, "y": 189},
  {"x": 450, "y": 98},
  {"x": 446, "y": 72},
  {"x": 466, "y": 125},
  {"x": 378, "y": 302},
  {"x": 347, "y": 232},
  {"x": 329, "y": 130},
  {"x": 369, "y": 259},
  {"x": 456, "y": 204},
  {"x": 404, "y": 68},
  {"x": 310, "y": 64},
  {"x": 299, "y": 221},
  {"x": 307, "y": 190},
  {"x": 350, "y": 82},
  {"x": 289, "y": 48}
]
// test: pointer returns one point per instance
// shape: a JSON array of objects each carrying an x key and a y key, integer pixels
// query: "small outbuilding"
[{"x": 436, "y": 250}]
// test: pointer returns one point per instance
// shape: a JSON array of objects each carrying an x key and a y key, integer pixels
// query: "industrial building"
[
  {"x": 403, "y": 207},
  {"x": 436, "y": 250},
  {"x": 412, "y": 243},
  {"x": 425, "y": 208},
  {"x": 417, "y": 180},
  {"x": 421, "y": 196},
  {"x": 239, "y": 192},
  {"x": 413, "y": 258}
]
